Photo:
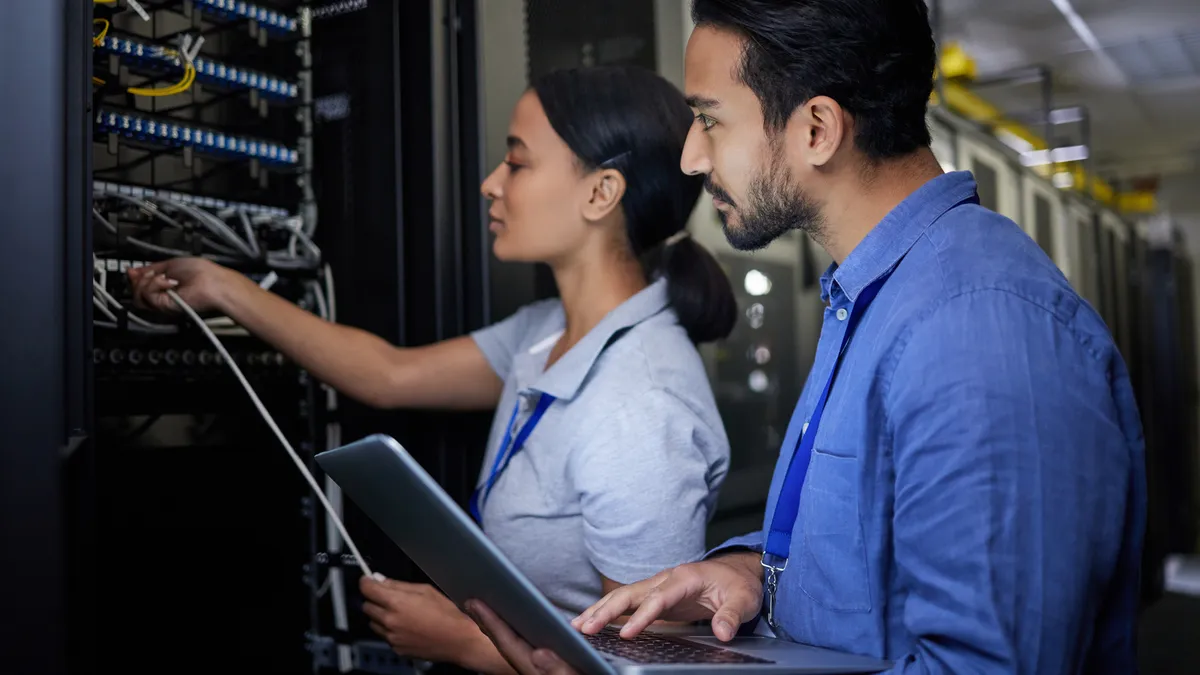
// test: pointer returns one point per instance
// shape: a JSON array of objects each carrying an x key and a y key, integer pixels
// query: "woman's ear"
[{"x": 606, "y": 188}]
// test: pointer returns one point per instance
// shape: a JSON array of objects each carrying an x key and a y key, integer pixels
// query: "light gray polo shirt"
[{"x": 620, "y": 476}]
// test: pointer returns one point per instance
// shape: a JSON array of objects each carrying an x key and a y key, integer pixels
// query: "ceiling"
[{"x": 1139, "y": 77}]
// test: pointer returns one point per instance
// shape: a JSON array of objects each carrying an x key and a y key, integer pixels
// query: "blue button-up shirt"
[{"x": 975, "y": 500}]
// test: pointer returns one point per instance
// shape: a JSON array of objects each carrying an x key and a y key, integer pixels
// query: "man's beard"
[{"x": 774, "y": 206}]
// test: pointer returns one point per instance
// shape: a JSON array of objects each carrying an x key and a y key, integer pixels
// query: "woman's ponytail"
[{"x": 698, "y": 289}]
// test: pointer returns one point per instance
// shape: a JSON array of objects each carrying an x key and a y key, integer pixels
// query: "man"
[{"x": 972, "y": 479}]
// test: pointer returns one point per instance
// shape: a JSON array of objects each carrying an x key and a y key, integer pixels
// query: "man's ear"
[
  {"x": 607, "y": 187},
  {"x": 817, "y": 130}
]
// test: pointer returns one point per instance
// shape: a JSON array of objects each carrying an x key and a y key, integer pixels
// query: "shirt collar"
[
  {"x": 888, "y": 241},
  {"x": 564, "y": 379}
]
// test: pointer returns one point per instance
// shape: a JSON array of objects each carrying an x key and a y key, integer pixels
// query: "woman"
[{"x": 610, "y": 448}]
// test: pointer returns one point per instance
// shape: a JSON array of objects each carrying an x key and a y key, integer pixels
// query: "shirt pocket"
[{"x": 833, "y": 560}]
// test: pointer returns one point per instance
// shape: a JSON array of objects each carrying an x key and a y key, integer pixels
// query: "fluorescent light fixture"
[
  {"x": 1078, "y": 25},
  {"x": 1087, "y": 36},
  {"x": 1071, "y": 153},
  {"x": 1014, "y": 141},
  {"x": 1066, "y": 115}
]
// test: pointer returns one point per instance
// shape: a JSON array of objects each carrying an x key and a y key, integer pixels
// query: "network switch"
[
  {"x": 208, "y": 71},
  {"x": 273, "y": 21},
  {"x": 150, "y": 130}
]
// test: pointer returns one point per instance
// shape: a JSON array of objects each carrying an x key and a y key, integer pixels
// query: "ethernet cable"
[
  {"x": 262, "y": 410},
  {"x": 228, "y": 246}
]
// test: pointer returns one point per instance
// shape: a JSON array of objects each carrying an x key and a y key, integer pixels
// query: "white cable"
[
  {"x": 249, "y": 230},
  {"x": 97, "y": 289},
  {"x": 262, "y": 409},
  {"x": 104, "y": 308}
]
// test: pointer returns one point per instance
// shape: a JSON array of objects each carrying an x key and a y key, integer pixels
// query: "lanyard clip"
[
  {"x": 774, "y": 566},
  {"x": 773, "y": 563}
]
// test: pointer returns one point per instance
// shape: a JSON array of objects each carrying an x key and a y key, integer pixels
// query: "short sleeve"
[
  {"x": 647, "y": 478},
  {"x": 500, "y": 341}
]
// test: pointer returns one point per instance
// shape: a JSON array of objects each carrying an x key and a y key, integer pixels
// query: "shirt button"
[{"x": 842, "y": 314}]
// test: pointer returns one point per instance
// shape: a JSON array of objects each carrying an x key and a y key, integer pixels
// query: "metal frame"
[{"x": 40, "y": 202}]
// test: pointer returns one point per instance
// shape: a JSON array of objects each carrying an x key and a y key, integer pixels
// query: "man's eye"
[{"x": 705, "y": 121}]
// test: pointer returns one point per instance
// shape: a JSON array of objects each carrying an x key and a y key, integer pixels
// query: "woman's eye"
[
  {"x": 705, "y": 121},
  {"x": 512, "y": 167}
]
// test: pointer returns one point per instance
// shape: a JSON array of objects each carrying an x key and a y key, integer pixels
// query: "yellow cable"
[
  {"x": 96, "y": 80},
  {"x": 189, "y": 72},
  {"x": 98, "y": 39},
  {"x": 105, "y": 2},
  {"x": 189, "y": 76}
]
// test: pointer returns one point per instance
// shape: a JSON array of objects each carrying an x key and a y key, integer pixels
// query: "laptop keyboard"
[{"x": 651, "y": 648}]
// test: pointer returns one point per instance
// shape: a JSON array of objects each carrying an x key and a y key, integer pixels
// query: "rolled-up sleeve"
[
  {"x": 1011, "y": 482},
  {"x": 647, "y": 479}
]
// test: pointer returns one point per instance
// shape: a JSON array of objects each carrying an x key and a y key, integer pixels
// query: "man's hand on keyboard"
[
  {"x": 520, "y": 655},
  {"x": 727, "y": 589}
]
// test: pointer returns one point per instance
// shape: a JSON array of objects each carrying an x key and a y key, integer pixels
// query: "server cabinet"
[
  {"x": 1043, "y": 214},
  {"x": 995, "y": 176}
]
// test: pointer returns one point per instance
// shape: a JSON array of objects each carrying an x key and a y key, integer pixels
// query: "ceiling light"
[
  {"x": 1087, "y": 36},
  {"x": 757, "y": 283},
  {"x": 1072, "y": 153}
]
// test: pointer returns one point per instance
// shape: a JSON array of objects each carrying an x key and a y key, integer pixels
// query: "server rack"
[{"x": 118, "y": 511}]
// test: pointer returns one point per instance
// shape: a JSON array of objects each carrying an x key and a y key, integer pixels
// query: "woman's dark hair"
[{"x": 631, "y": 120}]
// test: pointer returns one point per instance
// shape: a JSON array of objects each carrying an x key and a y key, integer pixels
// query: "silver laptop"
[{"x": 409, "y": 506}]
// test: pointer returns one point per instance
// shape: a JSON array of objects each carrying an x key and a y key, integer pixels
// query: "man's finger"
[
  {"x": 379, "y": 630},
  {"x": 658, "y": 601},
  {"x": 740, "y": 606},
  {"x": 616, "y": 604}
]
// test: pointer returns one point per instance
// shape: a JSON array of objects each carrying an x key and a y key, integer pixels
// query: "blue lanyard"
[
  {"x": 787, "y": 508},
  {"x": 779, "y": 535},
  {"x": 505, "y": 454}
]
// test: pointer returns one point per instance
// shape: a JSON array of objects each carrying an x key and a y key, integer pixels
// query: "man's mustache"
[{"x": 716, "y": 191}]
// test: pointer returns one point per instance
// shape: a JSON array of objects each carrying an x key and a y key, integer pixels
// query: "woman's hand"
[
  {"x": 421, "y": 623},
  {"x": 200, "y": 283},
  {"x": 524, "y": 658}
]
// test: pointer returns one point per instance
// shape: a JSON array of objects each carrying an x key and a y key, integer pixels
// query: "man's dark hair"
[{"x": 874, "y": 57}]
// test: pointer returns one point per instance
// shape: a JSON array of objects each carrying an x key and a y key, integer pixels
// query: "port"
[
  {"x": 189, "y": 357},
  {"x": 135, "y": 357},
  {"x": 171, "y": 357},
  {"x": 154, "y": 357},
  {"x": 116, "y": 356},
  {"x": 97, "y": 355}
]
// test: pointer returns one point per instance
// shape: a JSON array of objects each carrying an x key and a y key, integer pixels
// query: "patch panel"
[
  {"x": 104, "y": 187},
  {"x": 157, "y": 357},
  {"x": 151, "y": 130},
  {"x": 208, "y": 71},
  {"x": 273, "y": 21}
]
